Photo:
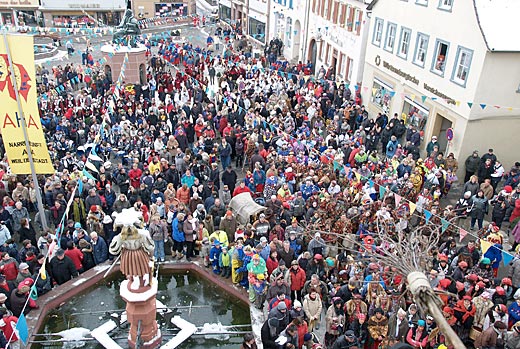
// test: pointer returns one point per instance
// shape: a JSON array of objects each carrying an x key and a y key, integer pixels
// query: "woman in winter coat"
[
  {"x": 159, "y": 233},
  {"x": 178, "y": 235},
  {"x": 465, "y": 314},
  {"x": 189, "y": 227},
  {"x": 480, "y": 207},
  {"x": 334, "y": 321},
  {"x": 312, "y": 307},
  {"x": 88, "y": 257}
]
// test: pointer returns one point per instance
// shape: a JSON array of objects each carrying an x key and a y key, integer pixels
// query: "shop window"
[
  {"x": 462, "y": 65},
  {"x": 257, "y": 29},
  {"x": 415, "y": 114},
  {"x": 439, "y": 57},
  {"x": 378, "y": 32},
  {"x": 382, "y": 94},
  {"x": 391, "y": 30},
  {"x": 404, "y": 43}
]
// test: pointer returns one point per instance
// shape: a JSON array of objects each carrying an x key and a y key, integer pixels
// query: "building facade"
[
  {"x": 251, "y": 15},
  {"x": 337, "y": 37},
  {"x": 288, "y": 22},
  {"x": 171, "y": 8},
  {"x": 458, "y": 81},
  {"x": 70, "y": 13},
  {"x": 18, "y": 12}
]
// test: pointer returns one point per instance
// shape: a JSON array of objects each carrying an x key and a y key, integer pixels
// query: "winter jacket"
[
  {"x": 514, "y": 272},
  {"x": 312, "y": 308},
  {"x": 487, "y": 339},
  {"x": 62, "y": 270},
  {"x": 472, "y": 163},
  {"x": 188, "y": 229},
  {"x": 177, "y": 232},
  {"x": 298, "y": 278},
  {"x": 99, "y": 250}
]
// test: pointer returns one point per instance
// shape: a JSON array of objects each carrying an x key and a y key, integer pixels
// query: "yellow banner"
[{"x": 22, "y": 54}]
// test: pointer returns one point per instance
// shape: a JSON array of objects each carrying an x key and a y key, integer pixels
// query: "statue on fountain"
[
  {"x": 139, "y": 291},
  {"x": 136, "y": 250},
  {"x": 127, "y": 31}
]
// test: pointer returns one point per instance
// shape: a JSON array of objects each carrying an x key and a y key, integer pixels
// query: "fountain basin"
[{"x": 92, "y": 293}]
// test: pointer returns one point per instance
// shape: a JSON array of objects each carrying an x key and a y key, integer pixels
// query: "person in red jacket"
[
  {"x": 298, "y": 278},
  {"x": 8, "y": 325},
  {"x": 9, "y": 267},
  {"x": 242, "y": 188},
  {"x": 75, "y": 255}
]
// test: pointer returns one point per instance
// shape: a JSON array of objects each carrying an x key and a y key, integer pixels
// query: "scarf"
[{"x": 467, "y": 312}]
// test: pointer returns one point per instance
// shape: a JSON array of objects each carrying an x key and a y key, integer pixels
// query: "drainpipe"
[
  {"x": 267, "y": 23},
  {"x": 305, "y": 25}
]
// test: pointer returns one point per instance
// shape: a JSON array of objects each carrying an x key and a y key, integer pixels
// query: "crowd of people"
[{"x": 302, "y": 147}]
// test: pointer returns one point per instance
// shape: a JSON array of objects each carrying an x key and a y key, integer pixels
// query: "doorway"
[
  {"x": 142, "y": 75},
  {"x": 108, "y": 73},
  {"x": 313, "y": 52},
  {"x": 442, "y": 124},
  {"x": 296, "y": 43}
]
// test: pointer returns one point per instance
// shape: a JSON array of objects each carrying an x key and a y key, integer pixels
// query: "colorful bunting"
[
  {"x": 412, "y": 208},
  {"x": 382, "y": 191},
  {"x": 428, "y": 215},
  {"x": 507, "y": 257},
  {"x": 462, "y": 234},
  {"x": 444, "y": 224},
  {"x": 397, "y": 200},
  {"x": 484, "y": 245}
]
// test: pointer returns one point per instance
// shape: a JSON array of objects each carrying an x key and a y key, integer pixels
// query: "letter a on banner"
[{"x": 22, "y": 55}]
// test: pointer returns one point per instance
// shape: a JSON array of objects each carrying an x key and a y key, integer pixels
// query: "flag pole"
[{"x": 25, "y": 136}]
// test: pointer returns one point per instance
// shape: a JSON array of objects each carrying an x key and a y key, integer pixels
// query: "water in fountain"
[{"x": 174, "y": 290}]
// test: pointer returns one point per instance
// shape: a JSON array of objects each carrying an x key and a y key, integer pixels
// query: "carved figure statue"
[
  {"x": 136, "y": 248},
  {"x": 129, "y": 27}
]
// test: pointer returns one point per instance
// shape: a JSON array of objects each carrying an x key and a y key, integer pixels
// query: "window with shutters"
[
  {"x": 358, "y": 16},
  {"x": 462, "y": 65},
  {"x": 350, "y": 18},
  {"x": 404, "y": 42},
  {"x": 343, "y": 11},
  {"x": 391, "y": 30},
  {"x": 335, "y": 13},
  {"x": 378, "y": 32}
]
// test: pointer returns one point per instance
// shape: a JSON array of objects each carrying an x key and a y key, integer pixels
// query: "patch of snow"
[
  {"x": 212, "y": 329},
  {"x": 74, "y": 337},
  {"x": 79, "y": 281}
]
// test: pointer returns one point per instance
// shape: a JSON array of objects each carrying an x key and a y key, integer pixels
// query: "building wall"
[
  {"x": 148, "y": 9},
  {"x": 446, "y": 101},
  {"x": 289, "y": 23},
  {"x": 343, "y": 27},
  {"x": 258, "y": 20}
]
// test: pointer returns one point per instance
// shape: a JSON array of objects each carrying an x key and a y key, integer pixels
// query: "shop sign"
[
  {"x": 86, "y": 6},
  {"x": 19, "y": 3},
  {"x": 401, "y": 73}
]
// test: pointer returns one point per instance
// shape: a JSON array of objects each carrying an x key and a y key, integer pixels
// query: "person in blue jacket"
[
  {"x": 214, "y": 256},
  {"x": 99, "y": 248},
  {"x": 391, "y": 147},
  {"x": 178, "y": 235}
]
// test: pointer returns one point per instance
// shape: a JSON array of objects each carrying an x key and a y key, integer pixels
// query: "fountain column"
[{"x": 141, "y": 313}]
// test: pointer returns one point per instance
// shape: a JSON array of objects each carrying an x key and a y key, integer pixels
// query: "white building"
[
  {"x": 448, "y": 64},
  {"x": 337, "y": 37},
  {"x": 253, "y": 16},
  {"x": 288, "y": 22},
  {"x": 64, "y": 13}
]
